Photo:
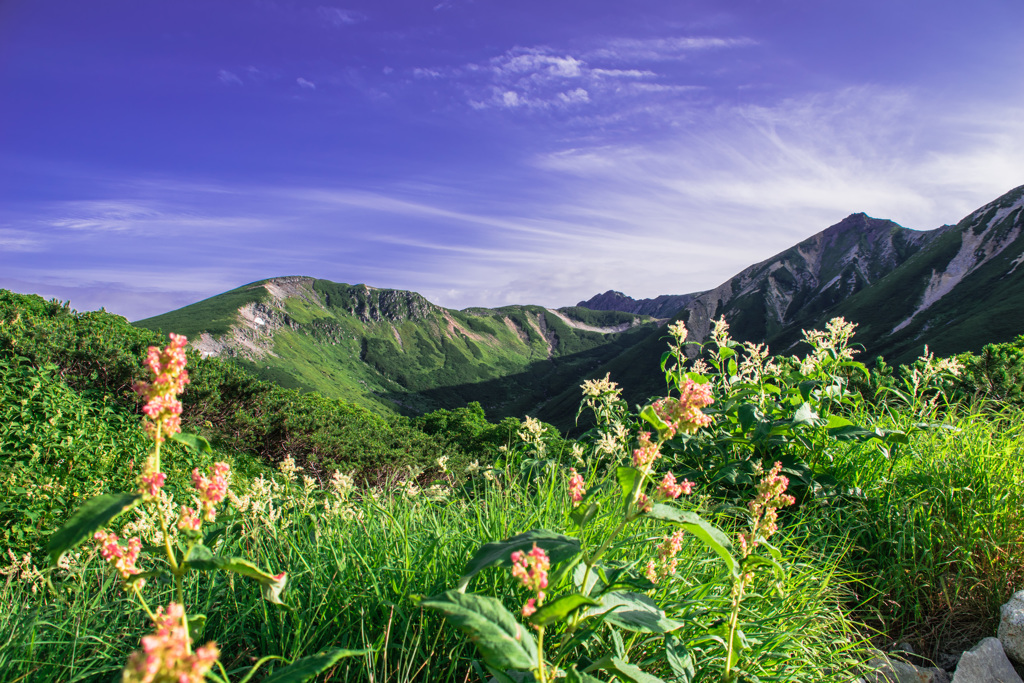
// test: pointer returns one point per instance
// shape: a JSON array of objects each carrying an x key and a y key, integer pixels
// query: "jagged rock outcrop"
[
  {"x": 664, "y": 306},
  {"x": 985, "y": 663}
]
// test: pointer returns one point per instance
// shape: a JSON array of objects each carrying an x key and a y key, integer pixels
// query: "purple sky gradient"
[{"x": 482, "y": 152}]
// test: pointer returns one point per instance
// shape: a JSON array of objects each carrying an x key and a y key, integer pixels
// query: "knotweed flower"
[
  {"x": 162, "y": 408},
  {"x": 531, "y": 568},
  {"x": 166, "y": 655},
  {"x": 763, "y": 509},
  {"x": 212, "y": 490},
  {"x": 666, "y": 563},
  {"x": 644, "y": 504},
  {"x": 595, "y": 388},
  {"x": 152, "y": 483},
  {"x": 530, "y": 607},
  {"x": 647, "y": 453},
  {"x": 668, "y": 488},
  {"x": 121, "y": 558},
  {"x": 678, "y": 331},
  {"x": 188, "y": 519},
  {"x": 576, "y": 489},
  {"x": 684, "y": 414},
  {"x": 288, "y": 468}
]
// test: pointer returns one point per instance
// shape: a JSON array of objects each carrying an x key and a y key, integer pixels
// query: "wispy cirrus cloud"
[
  {"x": 228, "y": 77},
  {"x": 337, "y": 17},
  {"x": 664, "y": 49}
]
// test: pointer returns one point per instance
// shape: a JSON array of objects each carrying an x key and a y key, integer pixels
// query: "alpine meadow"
[{"x": 811, "y": 472}]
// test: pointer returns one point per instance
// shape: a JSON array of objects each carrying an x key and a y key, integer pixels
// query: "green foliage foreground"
[{"x": 907, "y": 521}]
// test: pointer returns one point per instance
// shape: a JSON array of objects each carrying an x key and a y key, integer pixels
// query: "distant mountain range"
[{"x": 954, "y": 288}]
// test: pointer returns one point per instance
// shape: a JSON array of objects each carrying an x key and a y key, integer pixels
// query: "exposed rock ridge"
[
  {"x": 809, "y": 277},
  {"x": 984, "y": 234},
  {"x": 664, "y": 306}
]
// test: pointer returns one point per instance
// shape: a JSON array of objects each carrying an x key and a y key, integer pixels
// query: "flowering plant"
[
  {"x": 583, "y": 601},
  {"x": 168, "y": 655}
]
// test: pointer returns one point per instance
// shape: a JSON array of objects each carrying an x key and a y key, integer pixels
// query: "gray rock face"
[
  {"x": 885, "y": 669},
  {"x": 985, "y": 663},
  {"x": 1011, "y": 627}
]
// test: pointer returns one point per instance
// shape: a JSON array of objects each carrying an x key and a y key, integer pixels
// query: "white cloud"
[
  {"x": 663, "y": 49},
  {"x": 337, "y": 17},
  {"x": 303, "y": 83},
  {"x": 228, "y": 78}
]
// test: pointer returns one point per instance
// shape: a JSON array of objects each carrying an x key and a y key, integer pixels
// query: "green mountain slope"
[
  {"x": 393, "y": 350},
  {"x": 955, "y": 288}
]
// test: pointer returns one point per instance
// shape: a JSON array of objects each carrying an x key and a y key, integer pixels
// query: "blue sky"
[{"x": 483, "y": 152}]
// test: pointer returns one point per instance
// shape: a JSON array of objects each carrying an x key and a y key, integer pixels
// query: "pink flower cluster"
[
  {"x": 576, "y": 489},
  {"x": 152, "y": 482},
  {"x": 666, "y": 563},
  {"x": 770, "y": 497},
  {"x": 684, "y": 414},
  {"x": 188, "y": 519},
  {"x": 166, "y": 657},
  {"x": 670, "y": 489},
  {"x": 120, "y": 557},
  {"x": 169, "y": 379},
  {"x": 647, "y": 453},
  {"x": 212, "y": 490},
  {"x": 532, "y": 571}
]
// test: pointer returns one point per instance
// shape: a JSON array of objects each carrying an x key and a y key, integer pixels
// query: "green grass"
[{"x": 215, "y": 315}]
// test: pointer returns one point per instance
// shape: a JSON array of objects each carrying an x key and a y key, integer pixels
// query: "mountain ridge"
[{"x": 395, "y": 350}]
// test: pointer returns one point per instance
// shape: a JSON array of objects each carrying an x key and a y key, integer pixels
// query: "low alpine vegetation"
[{"x": 765, "y": 519}]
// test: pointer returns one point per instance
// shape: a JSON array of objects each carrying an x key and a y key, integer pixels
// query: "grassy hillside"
[
  {"x": 915, "y": 538},
  {"x": 394, "y": 351}
]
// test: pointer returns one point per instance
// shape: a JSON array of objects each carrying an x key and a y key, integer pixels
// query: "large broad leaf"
[
  {"x": 561, "y": 608},
  {"x": 651, "y": 417},
  {"x": 625, "y": 670},
  {"x": 633, "y": 612},
  {"x": 585, "y": 512},
  {"x": 557, "y": 546},
  {"x": 805, "y": 415},
  {"x": 193, "y": 442},
  {"x": 574, "y": 676},
  {"x": 628, "y": 478},
  {"x": 89, "y": 519},
  {"x": 271, "y": 586},
  {"x": 503, "y": 642},
  {"x": 712, "y": 536},
  {"x": 308, "y": 667},
  {"x": 679, "y": 659}
]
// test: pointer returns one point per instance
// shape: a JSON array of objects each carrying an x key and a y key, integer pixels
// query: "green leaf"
[
  {"x": 629, "y": 672},
  {"x": 627, "y": 477},
  {"x": 89, "y": 519},
  {"x": 804, "y": 415},
  {"x": 679, "y": 659},
  {"x": 582, "y": 515},
  {"x": 503, "y": 642},
  {"x": 561, "y": 608},
  {"x": 633, "y": 612},
  {"x": 752, "y": 561},
  {"x": 557, "y": 546},
  {"x": 308, "y": 667},
  {"x": 196, "y": 626},
  {"x": 271, "y": 586},
  {"x": 836, "y": 421},
  {"x": 651, "y": 417},
  {"x": 193, "y": 442},
  {"x": 574, "y": 676},
  {"x": 712, "y": 536},
  {"x": 202, "y": 558}
]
